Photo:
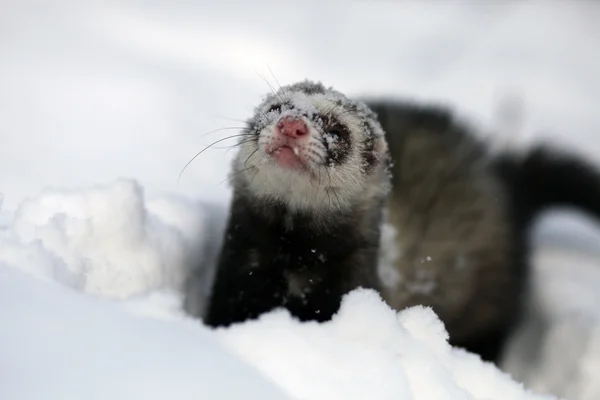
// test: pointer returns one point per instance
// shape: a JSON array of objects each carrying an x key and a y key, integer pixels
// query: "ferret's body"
[
  {"x": 305, "y": 225},
  {"x": 458, "y": 250}
]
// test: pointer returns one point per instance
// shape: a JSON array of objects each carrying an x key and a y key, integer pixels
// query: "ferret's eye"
[{"x": 337, "y": 130}]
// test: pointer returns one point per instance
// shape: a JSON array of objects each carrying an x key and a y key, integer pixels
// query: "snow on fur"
[{"x": 130, "y": 254}]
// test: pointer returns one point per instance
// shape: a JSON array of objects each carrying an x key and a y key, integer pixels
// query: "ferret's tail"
[{"x": 544, "y": 178}]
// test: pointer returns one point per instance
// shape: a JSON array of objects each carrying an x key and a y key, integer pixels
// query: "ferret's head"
[{"x": 311, "y": 147}]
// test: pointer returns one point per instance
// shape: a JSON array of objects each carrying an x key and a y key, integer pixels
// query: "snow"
[
  {"x": 103, "y": 240},
  {"x": 60, "y": 344},
  {"x": 557, "y": 349},
  {"x": 101, "y": 105},
  {"x": 384, "y": 354},
  {"x": 62, "y": 335},
  {"x": 332, "y": 141}
]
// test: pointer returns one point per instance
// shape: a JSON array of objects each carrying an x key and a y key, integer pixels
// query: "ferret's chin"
[
  {"x": 285, "y": 157},
  {"x": 288, "y": 161}
]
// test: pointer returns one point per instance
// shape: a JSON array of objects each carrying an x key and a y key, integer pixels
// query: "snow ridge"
[{"x": 109, "y": 265}]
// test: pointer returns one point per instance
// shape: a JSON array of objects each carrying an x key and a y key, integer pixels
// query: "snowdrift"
[{"x": 90, "y": 302}]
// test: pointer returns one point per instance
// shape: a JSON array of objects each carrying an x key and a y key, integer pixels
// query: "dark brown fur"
[
  {"x": 461, "y": 215},
  {"x": 458, "y": 252}
]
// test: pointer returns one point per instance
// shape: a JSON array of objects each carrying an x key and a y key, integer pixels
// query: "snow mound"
[
  {"x": 104, "y": 240},
  {"x": 368, "y": 351},
  {"x": 104, "y": 319}
]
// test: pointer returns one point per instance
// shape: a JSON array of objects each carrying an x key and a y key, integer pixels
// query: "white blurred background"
[{"x": 90, "y": 91}]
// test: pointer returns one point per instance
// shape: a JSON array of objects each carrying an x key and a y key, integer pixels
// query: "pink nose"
[{"x": 292, "y": 127}]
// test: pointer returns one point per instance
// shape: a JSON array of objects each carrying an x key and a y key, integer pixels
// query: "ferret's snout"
[{"x": 292, "y": 127}]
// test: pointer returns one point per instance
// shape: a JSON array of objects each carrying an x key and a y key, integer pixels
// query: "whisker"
[
  {"x": 233, "y": 146},
  {"x": 254, "y": 176},
  {"x": 270, "y": 87},
  {"x": 222, "y": 129},
  {"x": 230, "y": 176},
  {"x": 251, "y": 154},
  {"x": 278, "y": 84},
  {"x": 242, "y": 142},
  {"x": 249, "y": 140},
  {"x": 273, "y": 75},
  {"x": 204, "y": 149},
  {"x": 264, "y": 117},
  {"x": 230, "y": 119}
]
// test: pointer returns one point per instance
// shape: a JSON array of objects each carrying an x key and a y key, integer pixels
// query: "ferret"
[
  {"x": 309, "y": 185},
  {"x": 319, "y": 174}
]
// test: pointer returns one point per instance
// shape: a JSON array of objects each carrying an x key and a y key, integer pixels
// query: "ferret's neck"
[{"x": 320, "y": 220}]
